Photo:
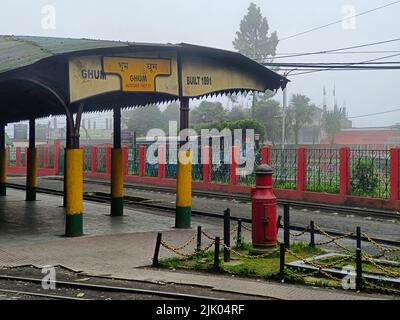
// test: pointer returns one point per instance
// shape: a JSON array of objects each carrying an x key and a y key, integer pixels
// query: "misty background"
[{"x": 214, "y": 23}]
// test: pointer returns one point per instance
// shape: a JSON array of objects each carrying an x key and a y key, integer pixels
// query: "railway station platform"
[
  {"x": 375, "y": 226},
  {"x": 31, "y": 233}
]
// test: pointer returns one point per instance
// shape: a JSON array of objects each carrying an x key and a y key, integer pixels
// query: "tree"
[
  {"x": 207, "y": 112},
  {"x": 238, "y": 113},
  {"x": 332, "y": 122},
  {"x": 171, "y": 113},
  {"x": 269, "y": 113},
  {"x": 300, "y": 113},
  {"x": 253, "y": 39},
  {"x": 143, "y": 119}
]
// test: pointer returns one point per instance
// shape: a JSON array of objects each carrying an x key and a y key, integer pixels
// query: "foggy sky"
[{"x": 214, "y": 23}]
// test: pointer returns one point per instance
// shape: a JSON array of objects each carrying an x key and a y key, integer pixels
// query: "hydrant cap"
[{"x": 264, "y": 169}]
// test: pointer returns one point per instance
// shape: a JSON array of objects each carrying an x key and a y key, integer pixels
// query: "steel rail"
[
  {"x": 42, "y": 295},
  {"x": 96, "y": 287},
  {"x": 246, "y": 198},
  {"x": 105, "y": 198}
]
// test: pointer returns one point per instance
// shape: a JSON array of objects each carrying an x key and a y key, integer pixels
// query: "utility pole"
[{"x": 284, "y": 108}]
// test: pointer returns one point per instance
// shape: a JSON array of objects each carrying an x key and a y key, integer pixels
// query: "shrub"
[{"x": 363, "y": 179}]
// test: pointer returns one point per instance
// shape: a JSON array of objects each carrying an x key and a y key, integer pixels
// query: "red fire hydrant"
[{"x": 263, "y": 209}]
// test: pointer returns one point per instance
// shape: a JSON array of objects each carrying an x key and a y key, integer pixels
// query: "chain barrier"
[
  {"x": 295, "y": 235},
  {"x": 246, "y": 228},
  {"x": 316, "y": 265},
  {"x": 170, "y": 247},
  {"x": 376, "y": 265},
  {"x": 246, "y": 256},
  {"x": 183, "y": 246},
  {"x": 382, "y": 248},
  {"x": 333, "y": 239},
  {"x": 375, "y": 286}
]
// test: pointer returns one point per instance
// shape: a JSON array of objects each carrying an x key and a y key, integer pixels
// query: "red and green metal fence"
[{"x": 367, "y": 178}]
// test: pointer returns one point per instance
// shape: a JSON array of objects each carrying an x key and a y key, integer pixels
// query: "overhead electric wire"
[
  {"x": 339, "y": 21},
  {"x": 349, "y": 64},
  {"x": 375, "y": 114},
  {"x": 339, "y": 50}
]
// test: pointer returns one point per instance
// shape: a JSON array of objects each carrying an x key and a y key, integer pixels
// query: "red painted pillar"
[
  {"x": 206, "y": 159},
  {"x": 301, "y": 169},
  {"x": 394, "y": 174},
  {"x": 266, "y": 154},
  {"x": 26, "y": 157},
  {"x": 161, "y": 161},
  {"x": 94, "y": 159},
  {"x": 56, "y": 155},
  {"x": 108, "y": 159},
  {"x": 45, "y": 156},
  {"x": 234, "y": 165},
  {"x": 344, "y": 173},
  {"x": 142, "y": 161},
  {"x": 18, "y": 157},
  {"x": 125, "y": 160}
]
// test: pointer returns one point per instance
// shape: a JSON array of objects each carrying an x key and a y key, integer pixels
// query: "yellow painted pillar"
[
  {"x": 184, "y": 190},
  {"x": 74, "y": 193},
  {"x": 3, "y": 172},
  {"x": 117, "y": 183},
  {"x": 31, "y": 174}
]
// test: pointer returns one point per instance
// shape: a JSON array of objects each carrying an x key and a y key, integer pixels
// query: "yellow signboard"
[
  {"x": 137, "y": 74},
  {"x": 201, "y": 76},
  {"x": 87, "y": 79},
  {"x": 156, "y": 72}
]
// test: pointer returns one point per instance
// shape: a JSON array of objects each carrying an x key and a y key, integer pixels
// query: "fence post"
[
  {"x": 282, "y": 250},
  {"x": 239, "y": 234},
  {"x": 301, "y": 169},
  {"x": 94, "y": 159},
  {"x": 266, "y": 154},
  {"x": 216, "y": 254},
  {"x": 161, "y": 160},
  {"x": 312, "y": 234},
  {"x": 278, "y": 223},
  {"x": 227, "y": 235},
  {"x": 234, "y": 165},
  {"x": 206, "y": 164},
  {"x": 56, "y": 155},
  {"x": 108, "y": 159},
  {"x": 344, "y": 172},
  {"x": 45, "y": 156},
  {"x": 18, "y": 157},
  {"x": 125, "y": 160},
  {"x": 142, "y": 161},
  {"x": 198, "y": 238},
  {"x": 358, "y": 269},
  {"x": 157, "y": 250},
  {"x": 394, "y": 174},
  {"x": 358, "y": 232},
  {"x": 286, "y": 224}
]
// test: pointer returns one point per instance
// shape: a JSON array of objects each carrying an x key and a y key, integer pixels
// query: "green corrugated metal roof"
[{"x": 21, "y": 51}]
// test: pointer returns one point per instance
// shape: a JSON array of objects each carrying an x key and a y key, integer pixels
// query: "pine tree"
[{"x": 253, "y": 39}]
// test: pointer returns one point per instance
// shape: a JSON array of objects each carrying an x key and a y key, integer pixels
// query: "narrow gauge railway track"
[
  {"x": 386, "y": 214},
  {"x": 100, "y": 288},
  {"x": 105, "y": 198}
]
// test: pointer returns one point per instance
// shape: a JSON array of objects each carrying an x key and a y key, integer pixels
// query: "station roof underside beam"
[{"x": 36, "y": 72}]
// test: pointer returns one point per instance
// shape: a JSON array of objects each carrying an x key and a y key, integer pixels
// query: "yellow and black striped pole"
[
  {"x": 184, "y": 190},
  {"x": 31, "y": 167},
  {"x": 3, "y": 161},
  {"x": 117, "y": 173},
  {"x": 74, "y": 192}
]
